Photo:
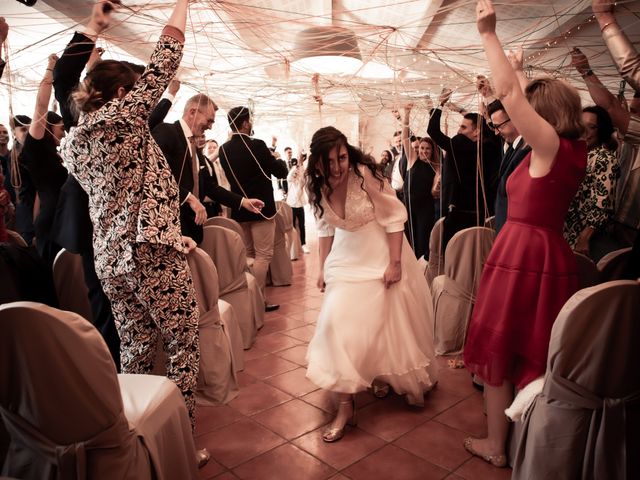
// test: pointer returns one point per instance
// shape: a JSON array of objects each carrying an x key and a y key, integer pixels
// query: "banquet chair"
[
  {"x": 612, "y": 265},
  {"x": 225, "y": 222},
  {"x": 219, "y": 353},
  {"x": 69, "y": 415},
  {"x": 16, "y": 239},
  {"x": 587, "y": 271},
  {"x": 585, "y": 424},
  {"x": 280, "y": 268},
  {"x": 68, "y": 278},
  {"x": 454, "y": 292},
  {"x": 227, "y": 250},
  {"x": 293, "y": 235},
  {"x": 435, "y": 264}
]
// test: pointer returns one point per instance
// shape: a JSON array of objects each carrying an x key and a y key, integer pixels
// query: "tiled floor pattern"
[{"x": 272, "y": 430}]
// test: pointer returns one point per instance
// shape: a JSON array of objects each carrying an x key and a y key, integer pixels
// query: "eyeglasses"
[{"x": 498, "y": 126}]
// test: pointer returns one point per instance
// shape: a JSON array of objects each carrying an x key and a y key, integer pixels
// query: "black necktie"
[{"x": 195, "y": 166}]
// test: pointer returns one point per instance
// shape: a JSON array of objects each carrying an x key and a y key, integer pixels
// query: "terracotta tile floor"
[{"x": 272, "y": 430}]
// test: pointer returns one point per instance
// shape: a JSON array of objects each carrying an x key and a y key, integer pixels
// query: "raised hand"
[
  {"x": 485, "y": 17},
  {"x": 51, "y": 61},
  {"x": 174, "y": 86},
  {"x": 101, "y": 14},
  {"x": 602, "y": 6},
  {"x": 579, "y": 61},
  {"x": 516, "y": 58},
  {"x": 445, "y": 96}
]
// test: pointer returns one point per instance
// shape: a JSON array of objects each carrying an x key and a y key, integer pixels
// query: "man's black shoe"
[{"x": 270, "y": 307}]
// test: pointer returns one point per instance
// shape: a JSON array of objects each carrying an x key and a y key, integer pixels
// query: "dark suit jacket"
[
  {"x": 245, "y": 173},
  {"x": 170, "y": 137},
  {"x": 507, "y": 166},
  {"x": 72, "y": 228}
]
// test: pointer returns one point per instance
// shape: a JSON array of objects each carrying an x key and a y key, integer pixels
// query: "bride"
[{"x": 376, "y": 320}]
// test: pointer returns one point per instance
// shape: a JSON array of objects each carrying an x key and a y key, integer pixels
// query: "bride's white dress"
[{"x": 365, "y": 331}]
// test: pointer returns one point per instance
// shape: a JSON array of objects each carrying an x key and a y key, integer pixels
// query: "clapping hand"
[{"x": 516, "y": 58}]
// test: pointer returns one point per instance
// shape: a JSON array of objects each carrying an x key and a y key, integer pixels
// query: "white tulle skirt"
[{"x": 365, "y": 331}]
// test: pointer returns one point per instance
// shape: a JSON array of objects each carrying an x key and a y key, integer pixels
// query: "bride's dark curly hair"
[{"x": 322, "y": 143}]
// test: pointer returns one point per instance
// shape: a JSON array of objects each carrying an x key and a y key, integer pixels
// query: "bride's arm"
[
  {"x": 393, "y": 273},
  {"x": 324, "y": 247}
]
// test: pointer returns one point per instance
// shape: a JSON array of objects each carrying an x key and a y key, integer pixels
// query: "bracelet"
[
  {"x": 606, "y": 25},
  {"x": 588, "y": 73},
  {"x": 49, "y": 70}
]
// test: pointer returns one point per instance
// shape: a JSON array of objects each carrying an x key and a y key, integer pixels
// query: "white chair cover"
[
  {"x": 293, "y": 236},
  {"x": 612, "y": 265},
  {"x": 435, "y": 265},
  {"x": 226, "y": 249},
  {"x": 587, "y": 271},
  {"x": 67, "y": 414},
  {"x": 586, "y": 422},
  {"x": 217, "y": 382},
  {"x": 16, "y": 239},
  {"x": 280, "y": 268},
  {"x": 454, "y": 292},
  {"x": 68, "y": 278}
]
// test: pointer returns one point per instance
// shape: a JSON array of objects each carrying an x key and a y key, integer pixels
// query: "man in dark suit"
[
  {"x": 515, "y": 151},
  {"x": 463, "y": 202},
  {"x": 178, "y": 142},
  {"x": 248, "y": 165}
]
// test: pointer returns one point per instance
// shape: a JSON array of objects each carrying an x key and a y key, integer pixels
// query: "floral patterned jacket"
[
  {"x": 133, "y": 197},
  {"x": 594, "y": 204}
]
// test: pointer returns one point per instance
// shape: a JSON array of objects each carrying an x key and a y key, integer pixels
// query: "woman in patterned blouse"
[
  {"x": 593, "y": 205},
  {"x": 133, "y": 203}
]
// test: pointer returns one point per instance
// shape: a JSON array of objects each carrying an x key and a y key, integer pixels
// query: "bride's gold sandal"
[
  {"x": 333, "y": 434},
  {"x": 499, "y": 461}
]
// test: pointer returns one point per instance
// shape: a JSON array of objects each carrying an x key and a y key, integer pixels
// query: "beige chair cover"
[
  {"x": 454, "y": 292},
  {"x": 66, "y": 413},
  {"x": 226, "y": 249},
  {"x": 16, "y": 239},
  {"x": 293, "y": 236},
  {"x": 587, "y": 270},
  {"x": 232, "y": 327},
  {"x": 231, "y": 224},
  {"x": 612, "y": 265},
  {"x": 68, "y": 278},
  {"x": 217, "y": 382},
  {"x": 257, "y": 299},
  {"x": 280, "y": 268},
  {"x": 586, "y": 422},
  {"x": 435, "y": 266}
]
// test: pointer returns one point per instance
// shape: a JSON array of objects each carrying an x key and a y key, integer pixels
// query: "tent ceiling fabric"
[{"x": 238, "y": 51}]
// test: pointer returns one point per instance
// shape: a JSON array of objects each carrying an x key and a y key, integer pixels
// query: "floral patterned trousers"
[{"x": 157, "y": 302}]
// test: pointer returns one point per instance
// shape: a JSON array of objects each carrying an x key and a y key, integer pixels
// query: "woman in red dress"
[{"x": 531, "y": 271}]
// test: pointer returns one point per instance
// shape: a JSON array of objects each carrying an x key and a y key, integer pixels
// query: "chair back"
[
  {"x": 226, "y": 222},
  {"x": 285, "y": 215},
  {"x": 613, "y": 264},
  {"x": 227, "y": 250},
  {"x": 465, "y": 256},
  {"x": 16, "y": 239},
  {"x": 205, "y": 280},
  {"x": 587, "y": 271},
  {"x": 589, "y": 408},
  {"x": 436, "y": 254},
  {"x": 60, "y": 398},
  {"x": 68, "y": 278}
]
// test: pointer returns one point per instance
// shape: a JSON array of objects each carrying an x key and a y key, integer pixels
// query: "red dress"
[{"x": 529, "y": 275}]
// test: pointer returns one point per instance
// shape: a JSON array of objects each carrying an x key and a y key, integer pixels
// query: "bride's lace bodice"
[{"x": 363, "y": 206}]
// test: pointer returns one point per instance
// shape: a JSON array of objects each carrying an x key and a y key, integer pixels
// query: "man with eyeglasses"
[{"x": 515, "y": 149}]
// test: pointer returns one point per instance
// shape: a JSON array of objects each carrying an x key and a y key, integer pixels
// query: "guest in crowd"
[
  {"x": 297, "y": 199},
  {"x": 24, "y": 191},
  {"x": 364, "y": 254},
  {"x": 178, "y": 142},
  {"x": 516, "y": 150},
  {"x": 418, "y": 182},
  {"x": 531, "y": 271},
  {"x": 133, "y": 204},
  {"x": 40, "y": 157},
  {"x": 593, "y": 206},
  {"x": 248, "y": 165}
]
